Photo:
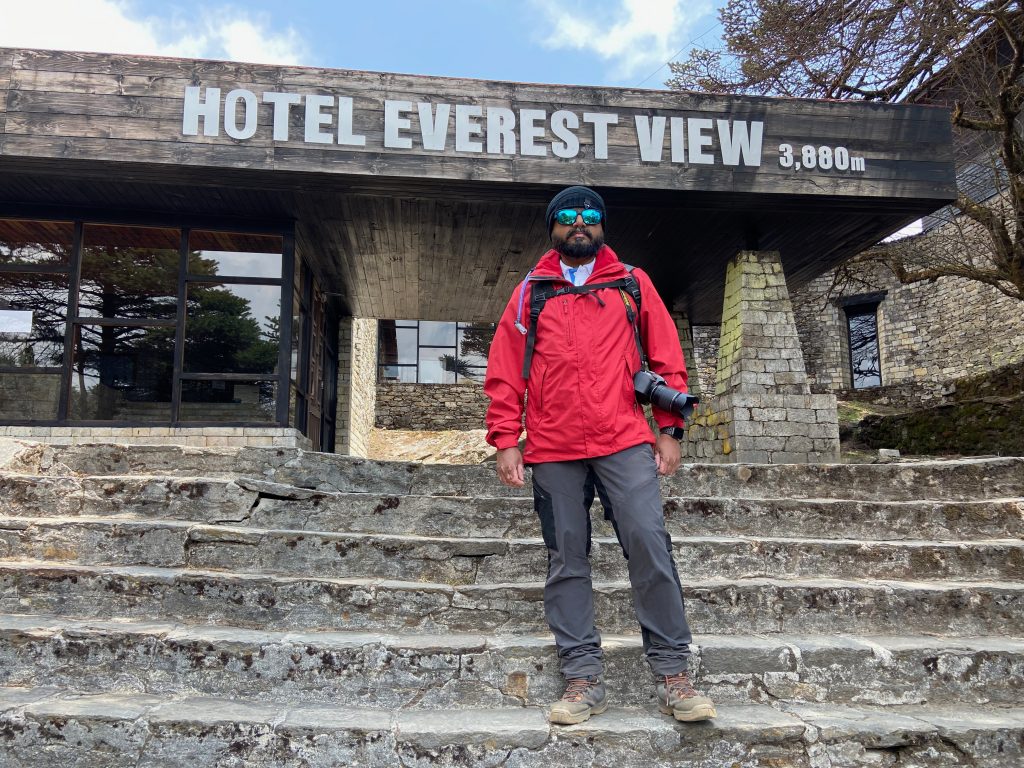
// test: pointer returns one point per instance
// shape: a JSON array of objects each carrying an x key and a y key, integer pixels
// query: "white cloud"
[
  {"x": 635, "y": 36},
  {"x": 116, "y": 26}
]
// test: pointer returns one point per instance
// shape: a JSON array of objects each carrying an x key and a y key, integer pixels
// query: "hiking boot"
[
  {"x": 677, "y": 697},
  {"x": 583, "y": 697}
]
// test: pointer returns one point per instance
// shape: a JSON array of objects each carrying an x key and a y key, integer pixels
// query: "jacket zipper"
[{"x": 568, "y": 321}]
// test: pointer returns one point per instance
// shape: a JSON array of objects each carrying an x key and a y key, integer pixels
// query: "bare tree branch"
[{"x": 967, "y": 54}]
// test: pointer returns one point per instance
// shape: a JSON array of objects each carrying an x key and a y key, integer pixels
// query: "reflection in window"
[
  {"x": 129, "y": 273},
  {"x": 429, "y": 352},
  {"x": 39, "y": 243},
  {"x": 232, "y": 328},
  {"x": 865, "y": 358},
  {"x": 122, "y": 373},
  {"x": 33, "y": 314},
  {"x": 235, "y": 254},
  {"x": 229, "y": 401}
]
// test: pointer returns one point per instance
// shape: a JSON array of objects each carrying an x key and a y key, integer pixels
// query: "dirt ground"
[{"x": 449, "y": 447}]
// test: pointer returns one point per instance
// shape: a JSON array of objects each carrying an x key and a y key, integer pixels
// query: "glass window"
[
  {"x": 231, "y": 401},
  {"x": 435, "y": 366},
  {"x": 865, "y": 360},
  {"x": 232, "y": 328},
  {"x": 129, "y": 273},
  {"x": 122, "y": 373},
  {"x": 430, "y": 352},
  {"x": 235, "y": 254},
  {"x": 474, "y": 343},
  {"x": 39, "y": 243},
  {"x": 398, "y": 345},
  {"x": 434, "y": 334},
  {"x": 403, "y": 374},
  {"x": 33, "y": 314}
]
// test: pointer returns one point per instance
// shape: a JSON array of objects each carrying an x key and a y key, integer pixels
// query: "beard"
[{"x": 578, "y": 249}]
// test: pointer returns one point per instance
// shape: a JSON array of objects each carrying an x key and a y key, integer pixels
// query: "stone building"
[{"x": 222, "y": 254}]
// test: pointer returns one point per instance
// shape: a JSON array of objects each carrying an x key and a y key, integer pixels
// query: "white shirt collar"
[{"x": 582, "y": 272}]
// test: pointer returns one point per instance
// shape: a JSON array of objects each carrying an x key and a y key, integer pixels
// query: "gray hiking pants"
[{"x": 630, "y": 484}]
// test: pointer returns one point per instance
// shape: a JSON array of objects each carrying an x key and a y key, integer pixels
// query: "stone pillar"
[
  {"x": 357, "y": 385},
  {"x": 762, "y": 410}
]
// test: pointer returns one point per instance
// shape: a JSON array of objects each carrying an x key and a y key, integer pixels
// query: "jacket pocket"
[
  {"x": 628, "y": 393},
  {"x": 535, "y": 397}
]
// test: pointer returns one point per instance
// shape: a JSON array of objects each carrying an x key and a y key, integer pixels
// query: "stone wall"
[
  {"x": 929, "y": 333},
  {"x": 822, "y": 328},
  {"x": 705, "y": 356},
  {"x": 430, "y": 406},
  {"x": 197, "y": 437},
  {"x": 357, "y": 376}
]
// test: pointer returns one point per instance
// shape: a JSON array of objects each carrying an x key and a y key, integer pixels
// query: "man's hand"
[
  {"x": 510, "y": 466},
  {"x": 666, "y": 455}
]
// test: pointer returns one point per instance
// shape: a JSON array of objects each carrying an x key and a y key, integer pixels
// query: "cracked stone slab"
[
  {"x": 457, "y": 561},
  {"x": 110, "y": 706},
  {"x": 987, "y": 737},
  {"x": 215, "y": 712},
  {"x": 437, "y": 671},
  {"x": 508, "y": 728},
  {"x": 97, "y": 730},
  {"x": 274, "y": 505},
  {"x": 870, "y": 728},
  {"x": 951, "y": 480},
  {"x": 17, "y": 697},
  {"x": 714, "y": 605}
]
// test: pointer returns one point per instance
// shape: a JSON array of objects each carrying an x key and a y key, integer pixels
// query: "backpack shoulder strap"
[
  {"x": 542, "y": 291},
  {"x": 545, "y": 289}
]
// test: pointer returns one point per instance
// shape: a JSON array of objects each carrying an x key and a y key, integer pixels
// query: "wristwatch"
[{"x": 676, "y": 433}]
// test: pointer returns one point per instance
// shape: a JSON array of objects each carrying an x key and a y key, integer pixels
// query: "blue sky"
[{"x": 599, "y": 42}]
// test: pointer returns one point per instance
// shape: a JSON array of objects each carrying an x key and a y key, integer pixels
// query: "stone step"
[
  {"x": 459, "y": 561},
  {"x": 256, "y": 503},
  {"x": 715, "y": 606},
  {"x": 262, "y": 504},
  {"x": 54, "y": 728},
  {"x": 405, "y": 671},
  {"x": 959, "y": 480}
]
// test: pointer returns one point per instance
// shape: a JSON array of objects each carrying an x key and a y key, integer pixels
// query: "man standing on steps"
[{"x": 577, "y": 359}]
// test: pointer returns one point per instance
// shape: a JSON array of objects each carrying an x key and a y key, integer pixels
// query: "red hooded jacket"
[{"x": 581, "y": 402}]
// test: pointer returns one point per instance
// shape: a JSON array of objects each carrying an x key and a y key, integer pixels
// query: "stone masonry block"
[
  {"x": 790, "y": 457},
  {"x": 823, "y": 431},
  {"x": 775, "y": 366},
  {"x": 802, "y": 415},
  {"x": 785, "y": 428},
  {"x": 751, "y": 456},
  {"x": 799, "y": 443},
  {"x": 768, "y": 414}
]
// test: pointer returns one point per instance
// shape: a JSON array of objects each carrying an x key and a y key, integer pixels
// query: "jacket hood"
[{"x": 606, "y": 266}]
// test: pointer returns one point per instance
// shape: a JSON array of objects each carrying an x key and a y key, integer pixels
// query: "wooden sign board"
[{"x": 148, "y": 110}]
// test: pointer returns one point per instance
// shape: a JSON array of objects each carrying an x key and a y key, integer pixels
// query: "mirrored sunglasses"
[{"x": 567, "y": 216}]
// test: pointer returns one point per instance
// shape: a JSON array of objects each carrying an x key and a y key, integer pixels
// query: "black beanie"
[{"x": 575, "y": 197}]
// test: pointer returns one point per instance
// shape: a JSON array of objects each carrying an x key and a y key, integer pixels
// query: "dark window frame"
[
  {"x": 79, "y": 218},
  {"x": 856, "y": 307},
  {"x": 455, "y": 348}
]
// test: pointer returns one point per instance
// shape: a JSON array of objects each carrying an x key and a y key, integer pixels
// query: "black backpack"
[{"x": 547, "y": 289}]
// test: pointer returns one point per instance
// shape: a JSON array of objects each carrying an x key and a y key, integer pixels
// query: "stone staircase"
[{"x": 165, "y": 606}]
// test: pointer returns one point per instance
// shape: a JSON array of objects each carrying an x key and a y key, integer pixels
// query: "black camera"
[{"x": 651, "y": 388}]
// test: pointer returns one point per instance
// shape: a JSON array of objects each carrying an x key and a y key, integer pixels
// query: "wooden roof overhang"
[{"x": 430, "y": 221}]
